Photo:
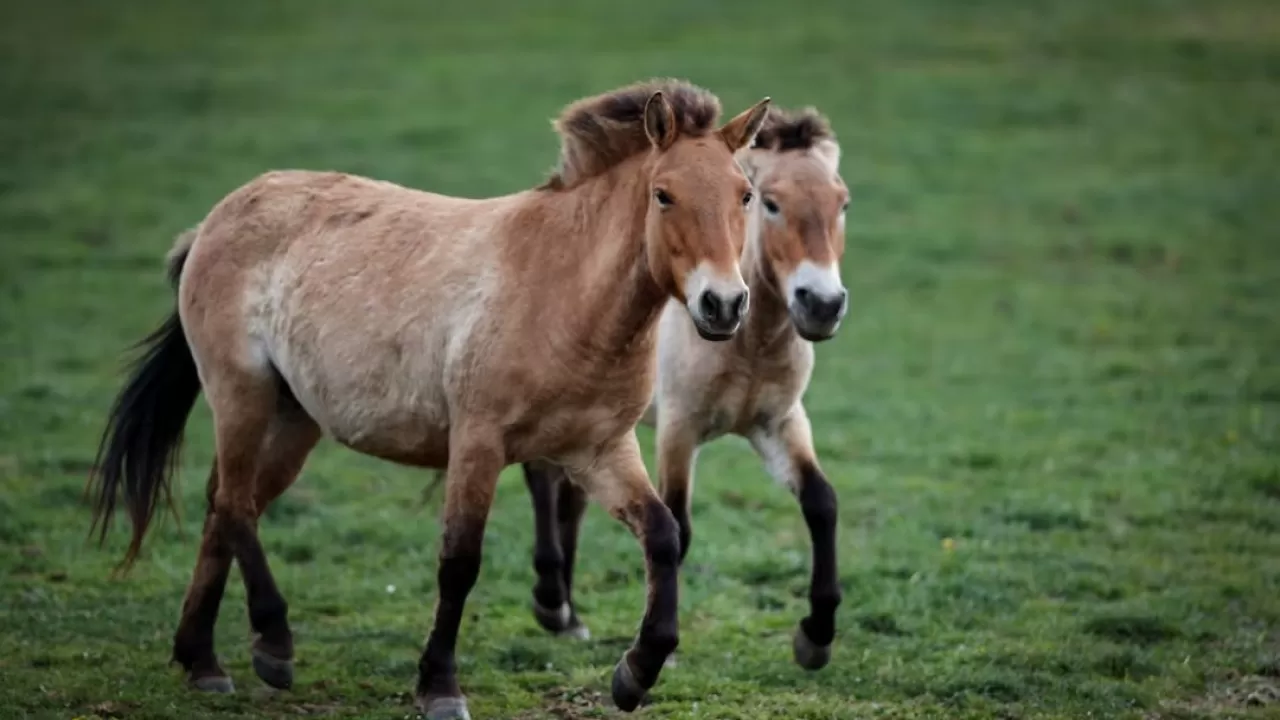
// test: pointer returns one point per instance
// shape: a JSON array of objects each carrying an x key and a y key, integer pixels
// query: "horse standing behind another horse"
[
  {"x": 750, "y": 386},
  {"x": 439, "y": 332}
]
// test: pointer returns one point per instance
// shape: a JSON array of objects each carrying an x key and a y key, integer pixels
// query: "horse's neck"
[
  {"x": 617, "y": 301},
  {"x": 768, "y": 326}
]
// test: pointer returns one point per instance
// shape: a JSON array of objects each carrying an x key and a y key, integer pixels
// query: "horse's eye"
[
  {"x": 663, "y": 198},
  {"x": 771, "y": 206},
  {"x": 845, "y": 206},
  {"x": 746, "y": 198}
]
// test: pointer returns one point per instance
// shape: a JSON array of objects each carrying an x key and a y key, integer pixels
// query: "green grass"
[{"x": 1053, "y": 416}]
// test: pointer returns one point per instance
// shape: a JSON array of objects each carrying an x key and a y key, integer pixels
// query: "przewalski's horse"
[
  {"x": 402, "y": 324},
  {"x": 750, "y": 386}
]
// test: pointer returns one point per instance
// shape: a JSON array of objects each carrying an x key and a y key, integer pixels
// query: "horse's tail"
[
  {"x": 139, "y": 449},
  {"x": 177, "y": 257}
]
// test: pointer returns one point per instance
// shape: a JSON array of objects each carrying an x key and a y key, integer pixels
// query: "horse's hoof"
[
  {"x": 213, "y": 684},
  {"x": 560, "y": 621},
  {"x": 810, "y": 655},
  {"x": 576, "y": 631},
  {"x": 272, "y": 670},
  {"x": 443, "y": 708},
  {"x": 627, "y": 692}
]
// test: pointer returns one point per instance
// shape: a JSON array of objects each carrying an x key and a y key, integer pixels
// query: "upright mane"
[
  {"x": 793, "y": 130},
  {"x": 597, "y": 133}
]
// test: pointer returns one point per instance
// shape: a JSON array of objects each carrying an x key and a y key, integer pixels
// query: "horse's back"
[{"x": 353, "y": 291}]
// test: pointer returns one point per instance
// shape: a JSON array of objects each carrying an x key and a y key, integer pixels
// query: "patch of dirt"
[
  {"x": 573, "y": 704},
  {"x": 1243, "y": 693}
]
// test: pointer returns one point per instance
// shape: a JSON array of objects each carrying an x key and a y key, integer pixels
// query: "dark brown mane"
[
  {"x": 793, "y": 130},
  {"x": 599, "y": 132}
]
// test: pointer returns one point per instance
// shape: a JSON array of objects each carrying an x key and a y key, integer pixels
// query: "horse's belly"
[
  {"x": 375, "y": 403},
  {"x": 412, "y": 436}
]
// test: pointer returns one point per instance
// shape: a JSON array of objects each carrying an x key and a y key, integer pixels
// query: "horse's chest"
[
  {"x": 573, "y": 421},
  {"x": 743, "y": 399}
]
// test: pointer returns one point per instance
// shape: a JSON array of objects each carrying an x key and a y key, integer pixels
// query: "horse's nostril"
[
  {"x": 821, "y": 308},
  {"x": 805, "y": 298},
  {"x": 740, "y": 305},
  {"x": 828, "y": 309},
  {"x": 709, "y": 305}
]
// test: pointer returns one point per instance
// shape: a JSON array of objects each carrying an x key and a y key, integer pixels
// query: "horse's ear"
[
  {"x": 659, "y": 121},
  {"x": 740, "y": 131}
]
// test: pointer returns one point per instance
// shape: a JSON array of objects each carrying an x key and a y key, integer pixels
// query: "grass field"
[{"x": 1053, "y": 416}]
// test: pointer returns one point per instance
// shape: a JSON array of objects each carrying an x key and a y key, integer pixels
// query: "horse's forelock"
[{"x": 597, "y": 133}]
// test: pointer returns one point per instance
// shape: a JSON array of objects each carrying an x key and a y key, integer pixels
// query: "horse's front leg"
[
  {"x": 475, "y": 459},
  {"x": 618, "y": 481},
  {"x": 786, "y": 447}
]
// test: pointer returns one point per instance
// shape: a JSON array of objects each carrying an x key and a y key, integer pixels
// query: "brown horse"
[
  {"x": 750, "y": 386},
  {"x": 401, "y": 324}
]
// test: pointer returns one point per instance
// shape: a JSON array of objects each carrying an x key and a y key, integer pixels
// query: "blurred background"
[{"x": 1051, "y": 415}]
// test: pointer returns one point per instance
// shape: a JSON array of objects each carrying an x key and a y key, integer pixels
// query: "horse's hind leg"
[
  {"x": 557, "y": 510},
  {"x": 193, "y": 641},
  {"x": 571, "y": 505},
  {"x": 291, "y": 435},
  {"x": 255, "y": 439},
  {"x": 787, "y": 451}
]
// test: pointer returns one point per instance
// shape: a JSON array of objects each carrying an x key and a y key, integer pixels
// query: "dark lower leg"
[
  {"x": 459, "y": 567},
  {"x": 572, "y": 505},
  {"x": 268, "y": 611},
  {"x": 290, "y": 437},
  {"x": 659, "y": 631},
  {"x": 818, "y": 503},
  {"x": 193, "y": 641},
  {"x": 676, "y": 499},
  {"x": 548, "y": 560},
  {"x": 469, "y": 487}
]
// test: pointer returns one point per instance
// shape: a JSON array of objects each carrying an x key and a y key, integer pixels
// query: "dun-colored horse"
[
  {"x": 402, "y": 324},
  {"x": 750, "y": 386}
]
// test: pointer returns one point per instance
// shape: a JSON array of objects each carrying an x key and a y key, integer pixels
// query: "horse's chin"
[
  {"x": 815, "y": 337},
  {"x": 815, "y": 334}
]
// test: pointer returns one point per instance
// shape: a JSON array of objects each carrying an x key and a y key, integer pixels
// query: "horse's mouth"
[
  {"x": 713, "y": 334},
  {"x": 818, "y": 334},
  {"x": 815, "y": 337}
]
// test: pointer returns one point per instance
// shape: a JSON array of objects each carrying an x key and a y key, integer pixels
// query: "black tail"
[{"x": 140, "y": 446}]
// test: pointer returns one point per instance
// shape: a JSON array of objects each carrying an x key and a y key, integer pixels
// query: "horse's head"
[
  {"x": 696, "y": 221},
  {"x": 799, "y": 223}
]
